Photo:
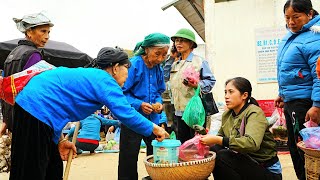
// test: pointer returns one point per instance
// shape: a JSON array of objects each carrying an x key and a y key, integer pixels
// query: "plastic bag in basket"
[
  {"x": 311, "y": 137},
  {"x": 279, "y": 128},
  {"x": 193, "y": 149},
  {"x": 10, "y": 86},
  {"x": 194, "y": 113}
]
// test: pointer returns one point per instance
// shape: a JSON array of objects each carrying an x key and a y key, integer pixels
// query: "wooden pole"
[{"x": 74, "y": 138}]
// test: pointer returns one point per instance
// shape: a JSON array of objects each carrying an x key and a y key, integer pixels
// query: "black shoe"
[{"x": 146, "y": 178}]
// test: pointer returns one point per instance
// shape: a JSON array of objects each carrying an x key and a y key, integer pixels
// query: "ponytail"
[{"x": 252, "y": 100}]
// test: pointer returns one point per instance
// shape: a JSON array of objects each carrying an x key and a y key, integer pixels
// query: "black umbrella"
[{"x": 54, "y": 52}]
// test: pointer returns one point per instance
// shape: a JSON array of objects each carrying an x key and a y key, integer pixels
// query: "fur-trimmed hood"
[{"x": 315, "y": 28}]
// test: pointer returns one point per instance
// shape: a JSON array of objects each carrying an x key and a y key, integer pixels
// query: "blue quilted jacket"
[{"x": 296, "y": 64}]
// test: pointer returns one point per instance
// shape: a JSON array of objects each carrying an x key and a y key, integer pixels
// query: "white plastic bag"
[{"x": 109, "y": 136}]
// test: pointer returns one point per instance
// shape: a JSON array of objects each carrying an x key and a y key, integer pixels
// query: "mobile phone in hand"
[{"x": 185, "y": 82}]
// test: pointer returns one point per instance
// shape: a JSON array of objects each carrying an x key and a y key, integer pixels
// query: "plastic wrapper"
[
  {"x": 193, "y": 149},
  {"x": 311, "y": 137}
]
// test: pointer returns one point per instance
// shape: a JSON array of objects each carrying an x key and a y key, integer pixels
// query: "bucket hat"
[{"x": 187, "y": 34}]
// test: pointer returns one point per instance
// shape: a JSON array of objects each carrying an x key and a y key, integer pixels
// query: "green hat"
[
  {"x": 154, "y": 39},
  {"x": 187, "y": 34}
]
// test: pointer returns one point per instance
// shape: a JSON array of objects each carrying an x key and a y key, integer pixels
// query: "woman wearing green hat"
[
  {"x": 143, "y": 90},
  {"x": 182, "y": 89}
]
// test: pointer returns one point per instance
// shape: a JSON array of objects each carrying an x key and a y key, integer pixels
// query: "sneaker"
[{"x": 146, "y": 178}]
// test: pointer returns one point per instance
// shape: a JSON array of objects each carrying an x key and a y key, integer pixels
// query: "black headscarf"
[{"x": 109, "y": 56}]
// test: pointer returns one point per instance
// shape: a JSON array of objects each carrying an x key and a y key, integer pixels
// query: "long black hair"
[
  {"x": 243, "y": 85},
  {"x": 301, "y": 6}
]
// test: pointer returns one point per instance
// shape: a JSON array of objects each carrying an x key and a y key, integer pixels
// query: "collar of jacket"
[
  {"x": 26, "y": 42},
  {"x": 242, "y": 109}
]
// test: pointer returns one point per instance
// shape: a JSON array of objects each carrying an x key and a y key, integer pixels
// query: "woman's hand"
[
  {"x": 278, "y": 102},
  {"x": 160, "y": 133},
  {"x": 190, "y": 83},
  {"x": 210, "y": 140},
  {"x": 313, "y": 114},
  {"x": 157, "y": 107},
  {"x": 146, "y": 108},
  {"x": 64, "y": 149}
]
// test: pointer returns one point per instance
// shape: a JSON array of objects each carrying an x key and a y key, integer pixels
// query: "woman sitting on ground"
[
  {"x": 89, "y": 132},
  {"x": 244, "y": 145}
]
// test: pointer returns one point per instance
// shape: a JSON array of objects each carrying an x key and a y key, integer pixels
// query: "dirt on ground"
[{"x": 103, "y": 166}]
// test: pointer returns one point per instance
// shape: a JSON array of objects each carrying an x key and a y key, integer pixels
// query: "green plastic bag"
[
  {"x": 173, "y": 135},
  {"x": 194, "y": 113}
]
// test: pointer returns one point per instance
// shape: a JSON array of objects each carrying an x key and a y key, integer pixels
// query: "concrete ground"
[{"x": 103, "y": 166}]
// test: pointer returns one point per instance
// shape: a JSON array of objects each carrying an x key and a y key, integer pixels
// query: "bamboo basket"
[
  {"x": 191, "y": 170},
  {"x": 312, "y": 161}
]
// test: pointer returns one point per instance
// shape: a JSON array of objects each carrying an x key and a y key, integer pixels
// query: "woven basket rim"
[
  {"x": 309, "y": 151},
  {"x": 189, "y": 163}
]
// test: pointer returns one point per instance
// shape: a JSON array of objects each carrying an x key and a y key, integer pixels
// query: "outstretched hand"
[
  {"x": 64, "y": 150},
  {"x": 210, "y": 140},
  {"x": 160, "y": 133}
]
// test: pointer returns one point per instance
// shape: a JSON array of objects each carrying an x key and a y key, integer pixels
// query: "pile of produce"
[
  {"x": 111, "y": 145},
  {"x": 280, "y": 132},
  {"x": 5, "y": 152}
]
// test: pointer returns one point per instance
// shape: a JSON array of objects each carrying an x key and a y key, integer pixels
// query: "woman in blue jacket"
[
  {"x": 89, "y": 132},
  {"x": 143, "y": 89},
  {"x": 55, "y": 97},
  {"x": 299, "y": 87}
]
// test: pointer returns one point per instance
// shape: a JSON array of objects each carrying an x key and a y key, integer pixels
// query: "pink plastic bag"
[
  {"x": 191, "y": 75},
  {"x": 193, "y": 149},
  {"x": 310, "y": 124}
]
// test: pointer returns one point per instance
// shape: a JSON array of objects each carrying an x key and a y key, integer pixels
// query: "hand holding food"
[
  {"x": 157, "y": 107},
  {"x": 146, "y": 108}
]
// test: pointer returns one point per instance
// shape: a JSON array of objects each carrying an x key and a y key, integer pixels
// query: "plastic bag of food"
[
  {"x": 191, "y": 75},
  {"x": 194, "y": 113},
  {"x": 279, "y": 128},
  {"x": 193, "y": 149},
  {"x": 277, "y": 113}
]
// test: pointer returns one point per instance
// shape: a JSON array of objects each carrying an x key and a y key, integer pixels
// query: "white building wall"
[{"x": 234, "y": 42}]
